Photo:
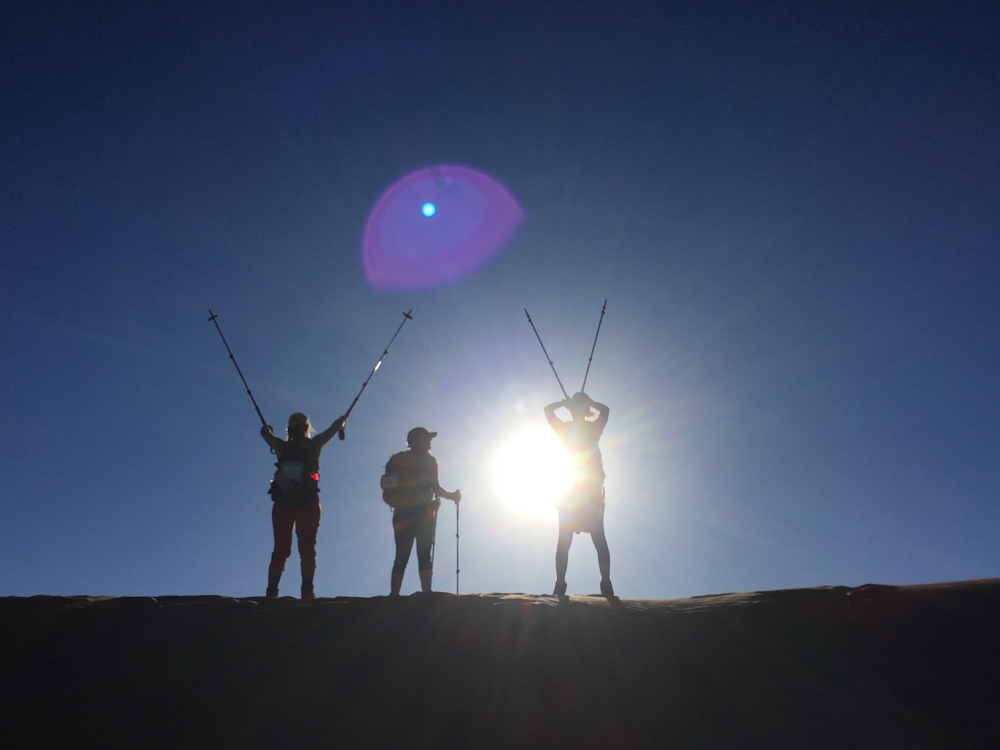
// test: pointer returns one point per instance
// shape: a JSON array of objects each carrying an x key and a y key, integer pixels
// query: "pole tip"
[
  {"x": 212, "y": 316},
  {"x": 407, "y": 314}
]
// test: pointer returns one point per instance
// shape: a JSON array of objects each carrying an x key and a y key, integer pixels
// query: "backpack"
[
  {"x": 389, "y": 483},
  {"x": 404, "y": 480},
  {"x": 296, "y": 477}
]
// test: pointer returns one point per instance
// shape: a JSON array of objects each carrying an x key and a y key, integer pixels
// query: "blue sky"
[{"x": 791, "y": 211}]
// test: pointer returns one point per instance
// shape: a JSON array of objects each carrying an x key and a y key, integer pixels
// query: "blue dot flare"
[{"x": 473, "y": 218}]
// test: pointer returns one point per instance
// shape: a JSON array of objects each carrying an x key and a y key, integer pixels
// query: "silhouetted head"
[
  {"x": 298, "y": 425},
  {"x": 420, "y": 438},
  {"x": 579, "y": 405}
]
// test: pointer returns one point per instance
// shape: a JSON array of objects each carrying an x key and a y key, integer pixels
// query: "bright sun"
[{"x": 531, "y": 470}]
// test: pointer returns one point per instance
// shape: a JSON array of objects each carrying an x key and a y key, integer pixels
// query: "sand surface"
[{"x": 833, "y": 667}]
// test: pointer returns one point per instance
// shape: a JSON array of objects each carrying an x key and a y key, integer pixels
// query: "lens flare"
[
  {"x": 531, "y": 471},
  {"x": 436, "y": 225}
]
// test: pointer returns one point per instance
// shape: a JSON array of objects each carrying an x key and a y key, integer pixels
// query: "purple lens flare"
[{"x": 435, "y": 225}]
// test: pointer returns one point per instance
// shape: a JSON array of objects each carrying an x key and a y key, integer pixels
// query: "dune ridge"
[{"x": 829, "y": 667}]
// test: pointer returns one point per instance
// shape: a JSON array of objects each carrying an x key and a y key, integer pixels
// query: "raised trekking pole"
[
  {"x": 546, "y": 354},
  {"x": 457, "y": 569},
  {"x": 214, "y": 319},
  {"x": 406, "y": 317},
  {"x": 584, "y": 386}
]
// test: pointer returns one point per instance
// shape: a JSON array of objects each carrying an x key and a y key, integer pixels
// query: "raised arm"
[
  {"x": 550, "y": 413},
  {"x": 603, "y": 412},
  {"x": 276, "y": 444},
  {"x": 322, "y": 438}
]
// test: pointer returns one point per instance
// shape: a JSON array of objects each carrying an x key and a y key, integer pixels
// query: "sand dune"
[{"x": 867, "y": 667}]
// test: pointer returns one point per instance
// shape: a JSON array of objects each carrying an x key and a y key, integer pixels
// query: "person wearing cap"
[
  {"x": 295, "y": 492},
  {"x": 581, "y": 508},
  {"x": 414, "y": 500}
]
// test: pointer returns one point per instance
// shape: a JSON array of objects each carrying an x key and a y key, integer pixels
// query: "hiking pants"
[
  {"x": 305, "y": 522},
  {"x": 409, "y": 524}
]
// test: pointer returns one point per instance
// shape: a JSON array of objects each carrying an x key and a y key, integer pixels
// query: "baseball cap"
[{"x": 418, "y": 432}]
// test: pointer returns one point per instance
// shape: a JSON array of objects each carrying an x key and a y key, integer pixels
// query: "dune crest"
[{"x": 872, "y": 666}]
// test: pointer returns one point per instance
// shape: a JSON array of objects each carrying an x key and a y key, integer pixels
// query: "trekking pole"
[
  {"x": 584, "y": 386},
  {"x": 434, "y": 536},
  {"x": 213, "y": 318},
  {"x": 457, "y": 569},
  {"x": 546, "y": 354},
  {"x": 406, "y": 317}
]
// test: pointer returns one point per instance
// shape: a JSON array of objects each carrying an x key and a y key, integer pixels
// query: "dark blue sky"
[{"x": 791, "y": 208}]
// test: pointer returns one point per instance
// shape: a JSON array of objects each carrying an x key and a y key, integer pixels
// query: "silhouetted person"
[
  {"x": 295, "y": 492},
  {"x": 581, "y": 508},
  {"x": 414, "y": 500}
]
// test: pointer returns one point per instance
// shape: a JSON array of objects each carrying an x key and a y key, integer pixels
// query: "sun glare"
[{"x": 531, "y": 470}]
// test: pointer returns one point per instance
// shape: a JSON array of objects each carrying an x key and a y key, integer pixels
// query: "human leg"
[
  {"x": 603, "y": 555},
  {"x": 306, "y": 528},
  {"x": 282, "y": 521},
  {"x": 425, "y": 542},
  {"x": 404, "y": 531},
  {"x": 562, "y": 553}
]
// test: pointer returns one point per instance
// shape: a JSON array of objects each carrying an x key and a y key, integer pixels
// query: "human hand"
[
  {"x": 266, "y": 430},
  {"x": 456, "y": 496}
]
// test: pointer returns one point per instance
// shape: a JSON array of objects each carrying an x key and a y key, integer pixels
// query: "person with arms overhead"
[
  {"x": 410, "y": 487},
  {"x": 581, "y": 508},
  {"x": 295, "y": 492}
]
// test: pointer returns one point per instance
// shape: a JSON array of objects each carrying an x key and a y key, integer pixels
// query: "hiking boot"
[
  {"x": 308, "y": 594},
  {"x": 560, "y": 589},
  {"x": 425, "y": 580},
  {"x": 607, "y": 590},
  {"x": 273, "y": 579}
]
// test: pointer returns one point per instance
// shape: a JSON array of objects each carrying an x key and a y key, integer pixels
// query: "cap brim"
[{"x": 432, "y": 434}]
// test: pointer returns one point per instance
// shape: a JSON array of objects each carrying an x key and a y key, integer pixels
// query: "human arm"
[
  {"x": 440, "y": 491},
  {"x": 602, "y": 413},
  {"x": 275, "y": 443},
  {"x": 550, "y": 413},
  {"x": 322, "y": 438},
  {"x": 455, "y": 496}
]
